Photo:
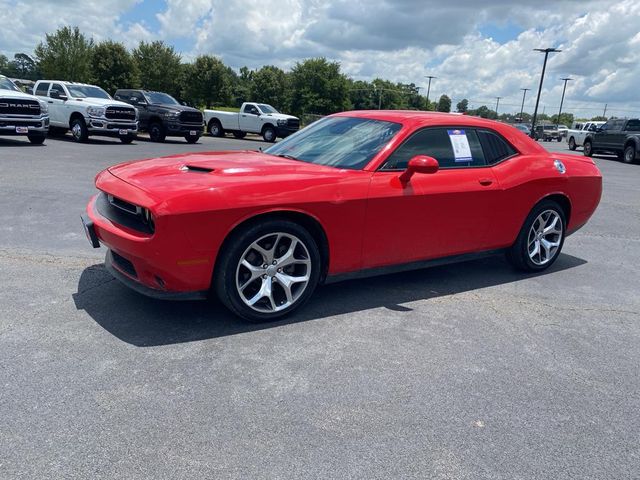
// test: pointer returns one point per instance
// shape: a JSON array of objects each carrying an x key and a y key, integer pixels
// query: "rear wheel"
[
  {"x": 156, "y": 132},
  {"x": 215, "y": 129},
  {"x": 79, "y": 130},
  {"x": 588, "y": 148},
  {"x": 269, "y": 134},
  {"x": 629, "y": 154},
  {"x": 268, "y": 270},
  {"x": 36, "y": 139},
  {"x": 572, "y": 143},
  {"x": 541, "y": 238}
]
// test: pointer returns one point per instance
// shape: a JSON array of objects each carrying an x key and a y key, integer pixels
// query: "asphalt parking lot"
[{"x": 466, "y": 371}]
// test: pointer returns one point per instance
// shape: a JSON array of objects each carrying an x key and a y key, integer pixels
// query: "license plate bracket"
[{"x": 22, "y": 129}]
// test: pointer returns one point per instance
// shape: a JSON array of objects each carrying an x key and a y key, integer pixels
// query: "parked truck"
[
  {"x": 21, "y": 113},
  {"x": 162, "y": 115},
  {"x": 87, "y": 110},
  {"x": 257, "y": 118},
  {"x": 618, "y": 136},
  {"x": 577, "y": 134}
]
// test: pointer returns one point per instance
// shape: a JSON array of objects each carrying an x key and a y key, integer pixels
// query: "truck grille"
[
  {"x": 15, "y": 106},
  {"x": 191, "y": 117},
  {"x": 293, "y": 123},
  {"x": 120, "y": 113}
]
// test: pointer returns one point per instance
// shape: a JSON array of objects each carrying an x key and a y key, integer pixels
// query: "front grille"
[
  {"x": 191, "y": 117},
  {"x": 123, "y": 213},
  {"x": 293, "y": 123},
  {"x": 21, "y": 123},
  {"x": 119, "y": 126},
  {"x": 14, "y": 106},
  {"x": 123, "y": 264},
  {"x": 120, "y": 113}
]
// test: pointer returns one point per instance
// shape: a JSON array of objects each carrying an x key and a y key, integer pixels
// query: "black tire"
[
  {"x": 215, "y": 128},
  {"x": 629, "y": 155},
  {"x": 79, "y": 130},
  {"x": 36, "y": 139},
  {"x": 518, "y": 254},
  {"x": 192, "y": 138},
  {"x": 572, "y": 143},
  {"x": 126, "y": 140},
  {"x": 157, "y": 132},
  {"x": 240, "y": 135},
  {"x": 587, "y": 148},
  {"x": 559, "y": 139},
  {"x": 224, "y": 281},
  {"x": 269, "y": 134}
]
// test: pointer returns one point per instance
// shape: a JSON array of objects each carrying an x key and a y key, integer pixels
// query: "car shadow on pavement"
[
  {"x": 22, "y": 141},
  {"x": 145, "y": 322},
  {"x": 90, "y": 141}
]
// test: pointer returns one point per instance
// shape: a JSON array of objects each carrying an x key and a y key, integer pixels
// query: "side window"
[
  {"x": 251, "y": 109},
  {"x": 122, "y": 95},
  {"x": 633, "y": 126},
  {"x": 438, "y": 143},
  {"x": 58, "y": 88},
  {"x": 495, "y": 147},
  {"x": 42, "y": 89}
]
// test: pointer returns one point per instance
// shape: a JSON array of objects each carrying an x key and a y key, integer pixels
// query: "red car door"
[{"x": 433, "y": 215}]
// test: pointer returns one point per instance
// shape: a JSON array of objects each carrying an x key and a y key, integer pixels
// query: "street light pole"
[
  {"x": 546, "y": 52},
  {"x": 562, "y": 99},
  {"x": 429, "y": 88},
  {"x": 524, "y": 94},
  {"x": 497, "y": 103}
]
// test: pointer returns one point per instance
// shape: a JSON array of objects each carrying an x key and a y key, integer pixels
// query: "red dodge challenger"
[{"x": 354, "y": 194}]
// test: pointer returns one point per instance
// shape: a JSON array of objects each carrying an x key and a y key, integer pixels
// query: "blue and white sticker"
[{"x": 460, "y": 144}]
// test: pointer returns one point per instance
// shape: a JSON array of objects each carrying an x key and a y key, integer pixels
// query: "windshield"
[
  {"x": 87, "y": 91},
  {"x": 341, "y": 142},
  {"x": 267, "y": 108},
  {"x": 7, "y": 84},
  {"x": 161, "y": 98}
]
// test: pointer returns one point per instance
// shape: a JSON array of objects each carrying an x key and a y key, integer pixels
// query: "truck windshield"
[
  {"x": 267, "y": 108},
  {"x": 341, "y": 142},
  {"x": 161, "y": 98},
  {"x": 87, "y": 91},
  {"x": 6, "y": 84}
]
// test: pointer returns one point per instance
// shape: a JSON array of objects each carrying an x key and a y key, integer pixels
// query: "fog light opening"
[{"x": 160, "y": 282}]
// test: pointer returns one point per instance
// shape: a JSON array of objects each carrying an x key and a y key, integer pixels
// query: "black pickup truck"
[
  {"x": 163, "y": 116},
  {"x": 618, "y": 136}
]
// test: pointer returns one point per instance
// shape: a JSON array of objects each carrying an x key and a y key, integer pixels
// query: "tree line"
[{"x": 313, "y": 86}]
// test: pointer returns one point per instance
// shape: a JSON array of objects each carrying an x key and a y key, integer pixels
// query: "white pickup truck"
[
  {"x": 87, "y": 110},
  {"x": 577, "y": 134},
  {"x": 21, "y": 113},
  {"x": 252, "y": 118}
]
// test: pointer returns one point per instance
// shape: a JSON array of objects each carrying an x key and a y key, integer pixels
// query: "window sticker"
[{"x": 460, "y": 144}]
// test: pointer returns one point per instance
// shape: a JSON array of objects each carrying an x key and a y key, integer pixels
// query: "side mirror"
[
  {"x": 57, "y": 95},
  {"x": 419, "y": 164}
]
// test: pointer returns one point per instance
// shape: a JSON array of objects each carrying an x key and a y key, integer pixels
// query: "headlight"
[
  {"x": 96, "y": 111},
  {"x": 148, "y": 218},
  {"x": 172, "y": 115},
  {"x": 282, "y": 122},
  {"x": 44, "y": 108}
]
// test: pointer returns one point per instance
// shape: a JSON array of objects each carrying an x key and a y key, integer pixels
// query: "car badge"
[{"x": 559, "y": 166}]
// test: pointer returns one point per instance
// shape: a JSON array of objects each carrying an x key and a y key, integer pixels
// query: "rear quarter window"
[
  {"x": 495, "y": 147},
  {"x": 42, "y": 89}
]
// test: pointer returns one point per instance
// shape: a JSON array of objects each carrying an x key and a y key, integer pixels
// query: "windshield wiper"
[{"x": 290, "y": 157}]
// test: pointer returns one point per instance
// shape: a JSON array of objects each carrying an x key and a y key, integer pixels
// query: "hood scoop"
[{"x": 196, "y": 168}]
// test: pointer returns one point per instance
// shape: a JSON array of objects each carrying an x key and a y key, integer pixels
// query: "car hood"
[
  {"x": 167, "y": 178},
  {"x": 278, "y": 116},
  {"x": 102, "y": 102},
  {"x": 13, "y": 94}
]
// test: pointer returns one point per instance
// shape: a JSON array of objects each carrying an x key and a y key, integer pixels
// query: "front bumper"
[
  {"x": 284, "y": 131},
  {"x": 111, "y": 128},
  {"x": 181, "y": 129},
  {"x": 17, "y": 126}
]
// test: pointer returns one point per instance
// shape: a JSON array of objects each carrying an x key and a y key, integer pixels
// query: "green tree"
[
  {"x": 4, "y": 64},
  {"x": 318, "y": 86},
  {"x": 270, "y": 85},
  {"x": 462, "y": 106},
  {"x": 444, "y": 104},
  {"x": 208, "y": 82},
  {"x": 114, "y": 67},
  {"x": 599, "y": 118},
  {"x": 159, "y": 66},
  {"x": 565, "y": 119},
  {"x": 65, "y": 55},
  {"x": 484, "y": 112},
  {"x": 241, "y": 87},
  {"x": 362, "y": 95},
  {"x": 22, "y": 66}
]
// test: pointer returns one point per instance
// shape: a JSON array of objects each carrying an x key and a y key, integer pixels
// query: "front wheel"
[
  {"x": 572, "y": 143},
  {"x": 192, "y": 138},
  {"x": 126, "y": 139},
  {"x": 36, "y": 139},
  {"x": 541, "y": 238},
  {"x": 268, "y": 270},
  {"x": 269, "y": 134},
  {"x": 156, "y": 132},
  {"x": 629, "y": 155},
  {"x": 79, "y": 130},
  {"x": 588, "y": 148}
]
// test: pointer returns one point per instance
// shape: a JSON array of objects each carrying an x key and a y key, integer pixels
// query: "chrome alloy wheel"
[
  {"x": 76, "y": 130},
  {"x": 544, "y": 237},
  {"x": 273, "y": 272}
]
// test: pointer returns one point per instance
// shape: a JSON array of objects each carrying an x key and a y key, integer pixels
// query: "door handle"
[
  {"x": 485, "y": 181},
  {"x": 50, "y": 101}
]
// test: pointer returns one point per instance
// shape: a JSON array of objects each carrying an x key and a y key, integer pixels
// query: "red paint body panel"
[{"x": 369, "y": 218}]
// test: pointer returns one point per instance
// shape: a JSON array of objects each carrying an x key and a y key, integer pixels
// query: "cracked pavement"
[{"x": 467, "y": 371}]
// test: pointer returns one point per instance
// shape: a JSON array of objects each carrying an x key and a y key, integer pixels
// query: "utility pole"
[
  {"x": 429, "y": 88},
  {"x": 524, "y": 94},
  {"x": 546, "y": 52},
  {"x": 497, "y": 103},
  {"x": 604, "y": 114},
  {"x": 562, "y": 99}
]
